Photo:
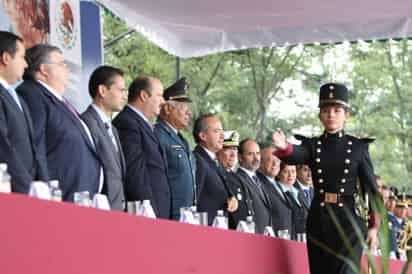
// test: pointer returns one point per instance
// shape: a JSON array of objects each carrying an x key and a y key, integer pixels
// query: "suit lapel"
[
  {"x": 212, "y": 164},
  {"x": 121, "y": 155},
  {"x": 18, "y": 113},
  {"x": 10, "y": 100},
  {"x": 143, "y": 124},
  {"x": 105, "y": 132},
  {"x": 68, "y": 113},
  {"x": 246, "y": 179}
]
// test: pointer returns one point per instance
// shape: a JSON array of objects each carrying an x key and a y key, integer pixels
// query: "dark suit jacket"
[
  {"x": 146, "y": 172},
  {"x": 251, "y": 202},
  {"x": 280, "y": 210},
  {"x": 299, "y": 213},
  {"x": 181, "y": 167},
  {"x": 212, "y": 187},
  {"x": 16, "y": 144},
  {"x": 62, "y": 141},
  {"x": 301, "y": 193},
  {"x": 113, "y": 161}
]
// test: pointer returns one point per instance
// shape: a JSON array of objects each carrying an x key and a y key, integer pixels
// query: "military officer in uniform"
[
  {"x": 337, "y": 160},
  {"x": 227, "y": 156},
  {"x": 396, "y": 222},
  {"x": 174, "y": 116}
]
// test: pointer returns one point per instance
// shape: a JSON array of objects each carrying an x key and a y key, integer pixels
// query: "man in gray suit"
[
  {"x": 108, "y": 91},
  {"x": 280, "y": 210}
]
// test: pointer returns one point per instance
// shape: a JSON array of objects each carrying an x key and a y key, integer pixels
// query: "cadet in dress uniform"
[
  {"x": 174, "y": 116},
  {"x": 337, "y": 160}
]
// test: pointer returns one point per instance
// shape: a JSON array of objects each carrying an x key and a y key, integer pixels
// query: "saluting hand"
[
  {"x": 232, "y": 204},
  {"x": 279, "y": 139}
]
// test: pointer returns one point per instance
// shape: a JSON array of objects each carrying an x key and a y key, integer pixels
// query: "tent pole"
[{"x": 177, "y": 68}]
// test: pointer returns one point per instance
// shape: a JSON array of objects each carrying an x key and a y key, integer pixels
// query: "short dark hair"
[
  {"x": 200, "y": 125},
  {"x": 9, "y": 42},
  {"x": 241, "y": 148},
  {"x": 36, "y": 56},
  {"x": 283, "y": 164},
  {"x": 139, "y": 84},
  {"x": 103, "y": 75}
]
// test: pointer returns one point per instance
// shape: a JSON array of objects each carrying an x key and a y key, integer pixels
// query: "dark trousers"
[{"x": 331, "y": 240}]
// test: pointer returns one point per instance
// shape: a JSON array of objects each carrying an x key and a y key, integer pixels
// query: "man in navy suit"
[
  {"x": 107, "y": 89},
  {"x": 304, "y": 184},
  {"x": 175, "y": 116},
  {"x": 146, "y": 175},
  {"x": 213, "y": 190},
  {"x": 63, "y": 140},
  {"x": 17, "y": 149}
]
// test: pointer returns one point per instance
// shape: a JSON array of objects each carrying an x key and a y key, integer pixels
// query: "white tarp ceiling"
[{"x": 189, "y": 28}]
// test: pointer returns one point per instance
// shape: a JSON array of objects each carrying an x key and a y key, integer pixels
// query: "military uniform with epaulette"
[
  {"x": 181, "y": 164},
  {"x": 338, "y": 162}
]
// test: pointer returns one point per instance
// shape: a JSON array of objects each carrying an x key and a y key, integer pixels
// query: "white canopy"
[{"x": 189, "y": 28}]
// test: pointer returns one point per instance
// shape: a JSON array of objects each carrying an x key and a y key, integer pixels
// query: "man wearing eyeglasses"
[
  {"x": 64, "y": 141},
  {"x": 175, "y": 116}
]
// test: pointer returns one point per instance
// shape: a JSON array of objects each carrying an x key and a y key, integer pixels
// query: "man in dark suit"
[
  {"x": 251, "y": 194},
  {"x": 304, "y": 184},
  {"x": 280, "y": 209},
  {"x": 146, "y": 175},
  {"x": 17, "y": 149},
  {"x": 213, "y": 191},
  {"x": 63, "y": 140},
  {"x": 107, "y": 89},
  {"x": 175, "y": 116}
]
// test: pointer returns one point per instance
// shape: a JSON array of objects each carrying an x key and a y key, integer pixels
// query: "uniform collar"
[{"x": 338, "y": 134}]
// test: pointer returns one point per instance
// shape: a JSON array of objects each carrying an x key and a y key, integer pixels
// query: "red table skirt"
[{"x": 45, "y": 237}]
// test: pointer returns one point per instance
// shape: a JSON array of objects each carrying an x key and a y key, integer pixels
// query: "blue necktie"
[{"x": 307, "y": 195}]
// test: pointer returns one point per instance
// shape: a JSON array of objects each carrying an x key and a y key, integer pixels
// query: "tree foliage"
[{"x": 249, "y": 89}]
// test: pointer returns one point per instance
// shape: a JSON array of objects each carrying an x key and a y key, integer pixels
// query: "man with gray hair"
[
  {"x": 63, "y": 140},
  {"x": 174, "y": 116}
]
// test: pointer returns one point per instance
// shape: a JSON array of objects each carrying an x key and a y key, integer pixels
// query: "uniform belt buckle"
[{"x": 331, "y": 198}]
